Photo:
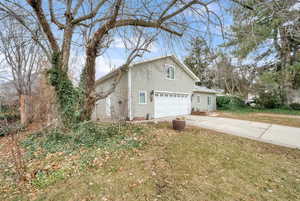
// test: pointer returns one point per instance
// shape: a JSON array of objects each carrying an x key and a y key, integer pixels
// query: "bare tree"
[
  {"x": 101, "y": 20},
  {"x": 22, "y": 61}
]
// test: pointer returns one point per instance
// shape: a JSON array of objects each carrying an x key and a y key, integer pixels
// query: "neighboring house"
[{"x": 150, "y": 89}]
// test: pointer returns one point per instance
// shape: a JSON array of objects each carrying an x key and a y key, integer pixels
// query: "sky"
[{"x": 116, "y": 55}]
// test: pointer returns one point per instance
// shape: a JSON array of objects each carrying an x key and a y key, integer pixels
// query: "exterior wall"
[
  {"x": 152, "y": 76},
  {"x": 203, "y": 105},
  {"x": 118, "y": 101}
]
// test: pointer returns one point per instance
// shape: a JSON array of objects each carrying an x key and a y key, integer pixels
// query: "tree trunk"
[
  {"x": 66, "y": 47},
  {"x": 25, "y": 109},
  {"x": 88, "y": 82}
]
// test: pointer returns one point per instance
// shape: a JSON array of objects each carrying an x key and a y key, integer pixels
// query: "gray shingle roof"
[{"x": 204, "y": 89}]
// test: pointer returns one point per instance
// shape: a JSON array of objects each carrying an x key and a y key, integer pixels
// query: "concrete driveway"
[{"x": 270, "y": 133}]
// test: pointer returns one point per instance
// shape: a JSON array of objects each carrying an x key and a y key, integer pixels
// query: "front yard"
[
  {"x": 161, "y": 164},
  {"x": 281, "y": 117}
]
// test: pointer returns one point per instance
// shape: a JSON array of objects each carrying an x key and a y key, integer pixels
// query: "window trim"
[
  {"x": 145, "y": 92},
  {"x": 167, "y": 73}
]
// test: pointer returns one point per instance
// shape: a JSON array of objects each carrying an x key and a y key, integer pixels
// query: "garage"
[{"x": 171, "y": 104}]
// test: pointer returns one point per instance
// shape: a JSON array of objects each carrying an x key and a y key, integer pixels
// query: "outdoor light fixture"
[{"x": 151, "y": 95}]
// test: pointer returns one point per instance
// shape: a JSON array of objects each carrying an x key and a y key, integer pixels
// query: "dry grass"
[
  {"x": 286, "y": 120},
  {"x": 196, "y": 164}
]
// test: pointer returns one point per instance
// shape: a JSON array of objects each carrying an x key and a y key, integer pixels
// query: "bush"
[
  {"x": 223, "y": 101},
  {"x": 295, "y": 106},
  {"x": 229, "y": 102},
  {"x": 269, "y": 100}
]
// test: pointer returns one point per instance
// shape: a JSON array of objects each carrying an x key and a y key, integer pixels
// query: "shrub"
[
  {"x": 223, "y": 101},
  {"x": 237, "y": 102},
  {"x": 295, "y": 106},
  {"x": 269, "y": 100},
  {"x": 229, "y": 102}
]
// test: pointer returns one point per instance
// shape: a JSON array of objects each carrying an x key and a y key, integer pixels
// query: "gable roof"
[{"x": 173, "y": 57}]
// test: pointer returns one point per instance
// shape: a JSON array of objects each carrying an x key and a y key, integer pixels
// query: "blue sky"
[{"x": 116, "y": 54}]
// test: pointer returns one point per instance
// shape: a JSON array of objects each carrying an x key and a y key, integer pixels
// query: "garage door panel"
[{"x": 171, "y": 104}]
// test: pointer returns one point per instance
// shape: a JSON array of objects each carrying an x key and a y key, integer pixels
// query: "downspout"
[{"x": 129, "y": 95}]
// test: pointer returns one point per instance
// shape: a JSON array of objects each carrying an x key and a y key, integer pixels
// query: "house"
[{"x": 150, "y": 89}]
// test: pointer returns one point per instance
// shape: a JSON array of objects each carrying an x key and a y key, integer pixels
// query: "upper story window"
[
  {"x": 142, "y": 97},
  {"x": 170, "y": 72}
]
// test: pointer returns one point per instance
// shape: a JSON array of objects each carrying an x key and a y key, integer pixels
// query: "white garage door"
[{"x": 171, "y": 104}]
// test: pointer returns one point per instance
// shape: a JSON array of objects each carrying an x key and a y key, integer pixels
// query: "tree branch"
[
  {"x": 34, "y": 34},
  {"x": 168, "y": 8},
  {"x": 52, "y": 15},
  {"x": 90, "y": 15},
  {"x": 36, "y": 5},
  {"x": 180, "y": 10},
  {"x": 138, "y": 51},
  {"x": 143, "y": 23},
  {"x": 78, "y": 5}
]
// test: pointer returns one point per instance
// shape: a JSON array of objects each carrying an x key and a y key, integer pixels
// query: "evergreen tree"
[
  {"x": 199, "y": 60},
  {"x": 269, "y": 32}
]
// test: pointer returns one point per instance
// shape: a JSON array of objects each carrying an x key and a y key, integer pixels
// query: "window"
[
  {"x": 198, "y": 99},
  {"x": 208, "y": 100},
  {"x": 170, "y": 72},
  {"x": 142, "y": 97}
]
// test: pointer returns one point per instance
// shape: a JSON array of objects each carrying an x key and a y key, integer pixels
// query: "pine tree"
[{"x": 199, "y": 59}]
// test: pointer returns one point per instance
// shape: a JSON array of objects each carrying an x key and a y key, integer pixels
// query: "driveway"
[{"x": 270, "y": 133}]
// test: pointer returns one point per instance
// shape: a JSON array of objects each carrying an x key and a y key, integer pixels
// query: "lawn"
[
  {"x": 247, "y": 110},
  {"x": 196, "y": 164},
  {"x": 276, "y": 116}
]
